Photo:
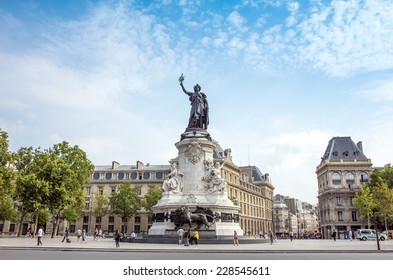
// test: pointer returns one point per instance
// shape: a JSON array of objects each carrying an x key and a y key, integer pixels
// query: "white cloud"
[
  {"x": 237, "y": 22},
  {"x": 378, "y": 91}
]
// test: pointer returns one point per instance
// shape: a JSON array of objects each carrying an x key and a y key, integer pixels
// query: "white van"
[{"x": 364, "y": 234}]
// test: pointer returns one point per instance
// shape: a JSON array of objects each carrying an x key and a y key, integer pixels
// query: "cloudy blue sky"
[{"x": 282, "y": 78}]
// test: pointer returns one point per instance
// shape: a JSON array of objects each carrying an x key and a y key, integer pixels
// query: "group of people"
[{"x": 187, "y": 237}]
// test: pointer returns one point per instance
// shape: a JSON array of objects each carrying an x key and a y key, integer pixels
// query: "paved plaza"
[{"x": 284, "y": 245}]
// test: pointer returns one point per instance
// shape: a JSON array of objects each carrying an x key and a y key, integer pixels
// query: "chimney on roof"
[
  {"x": 360, "y": 146},
  {"x": 115, "y": 164},
  {"x": 139, "y": 164}
]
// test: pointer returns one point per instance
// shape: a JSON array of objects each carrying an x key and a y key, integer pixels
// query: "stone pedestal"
[{"x": 195, "y": 150}]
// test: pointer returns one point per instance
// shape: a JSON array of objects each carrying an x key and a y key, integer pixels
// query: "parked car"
[{"x": 365, "y": 234}]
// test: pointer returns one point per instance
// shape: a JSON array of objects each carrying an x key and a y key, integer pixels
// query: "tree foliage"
[
  {"x": 7, "y": 186},
  {"x": 375, "y": 199},
  {"x": 126, "y": 202},
  {"x": 101, "y": 207},
  {"x": 151, "y": 198},
  {"x": 365, "y": 203}
]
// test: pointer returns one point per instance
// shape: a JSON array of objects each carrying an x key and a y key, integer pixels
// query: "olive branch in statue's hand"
[{"x": 181, "y": 79}]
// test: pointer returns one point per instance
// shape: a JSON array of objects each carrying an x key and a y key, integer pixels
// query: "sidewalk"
[{"x": 321, "y": 246}]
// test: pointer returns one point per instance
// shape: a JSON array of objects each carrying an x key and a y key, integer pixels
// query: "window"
[
  {"x": 159, "y": 175},
  {"x": 336, "y": 178},
  {"x": 85, "y": 219},
  {"x": 88, "y": 190},
  {"x": 12, "y": 228},
  {"x": 354, "y": 216},
  {"x": 351, "y": 200},
  {"x": 111, "y": 228},
  {"x": 146, "y": 175},
  {"x": 340, "y": 215},
  {"x": 113, "y": 189},
  {"x": 96, "y": 176},
  {"x": 87, "y": 204},
  {"x": 137, "y": 228},
  {"x": 108, "y": 176},
  {"x": 139, "y": 191},
  {"x": 101, "y": 190},
  {"x": 111, "y": 220},
  {"x": 98, "y": 220},
  {"x": 350, "y": 178},
  {"x": 338, "y": 201},
  {"x": 363, "y": 177},
  {"x": 137, "y": 220}
]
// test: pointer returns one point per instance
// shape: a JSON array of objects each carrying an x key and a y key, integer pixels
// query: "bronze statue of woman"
[{"x": 199, "y": 114}]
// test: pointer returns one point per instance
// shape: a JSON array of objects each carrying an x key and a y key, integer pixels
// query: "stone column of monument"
[{"x": 195, "y": 182}]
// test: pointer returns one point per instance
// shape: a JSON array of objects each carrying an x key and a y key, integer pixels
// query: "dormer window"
[
  {"x": 356, "y": 153},
  {"x": 346, "y": 153},
  {"x": 335, "y": 153}
]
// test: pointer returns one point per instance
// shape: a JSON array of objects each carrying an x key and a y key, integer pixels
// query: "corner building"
[{"x": 341, "y": 173}]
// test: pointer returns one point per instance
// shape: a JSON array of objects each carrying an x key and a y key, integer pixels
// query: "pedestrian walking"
[
  {"x": 235, "y": 238},
  {"x": 271, "y": 236},
  {"x": 84, "y": 235},
  {"x": 40, "y": 233},
  {"x": 186, "y": 237},
  {"x": 132, "y": 236},
  {"x": 117, "y": 239},
  {"x": 349, "y": 233},
  {"x": 180, "y": 233},
  {"x": 78, "y": 235},
  {"x": 334, "y": 234},
  {"x": 195, "y": 237},
  {"x": 65, "y": 237},
  {"x": 291, "y": 235}
]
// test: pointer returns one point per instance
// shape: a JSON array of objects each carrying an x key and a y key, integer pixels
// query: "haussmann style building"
[{"x": 342, "y": 171}]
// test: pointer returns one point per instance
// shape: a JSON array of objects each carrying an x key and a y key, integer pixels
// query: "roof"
[{"x": 343, "y": 148}]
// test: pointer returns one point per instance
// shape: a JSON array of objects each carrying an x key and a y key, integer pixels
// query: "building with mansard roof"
[{"x": 342, "y": 171}]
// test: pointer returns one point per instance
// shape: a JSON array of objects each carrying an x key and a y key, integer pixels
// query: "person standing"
[
  {"x": 84, "y": 235},
  {"x": 235, "y": 238},
  {"x": 65, "y": 237},
  {"x": 78, "y": 235},
  {"x": 271, "y": 236},
  {"x": 334, "y": 234},
  {"x": 40, "y": 233},
  {"x": 196, "y": 237},
  {"x": 291, "y": 235},
  {"x": 117, "y": 239},
  {"x": 349, "y": 233},
  {"x": 180, "y": 233},
  {"x": 186, "y": 237},
  {"x": 132, "y": 236}
]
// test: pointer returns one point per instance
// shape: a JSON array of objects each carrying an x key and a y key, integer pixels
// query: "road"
[{"x": 19, "y": 254}]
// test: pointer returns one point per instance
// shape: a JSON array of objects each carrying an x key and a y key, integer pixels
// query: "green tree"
[
  {"x": 67, "y": 173},
  {"x": 7, "y": 175},
  {"x": 364, "y": 203},
  {"x": 383, "y": 198},
  {"x": 101, "y": 207},
  {"x": 126, "y": 202},
  {"x": 151, "y": 198},
  {"x": 31, "y": 191}
]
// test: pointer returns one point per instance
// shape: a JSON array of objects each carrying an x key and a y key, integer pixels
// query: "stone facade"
[{"x": 341, "y": 173}]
